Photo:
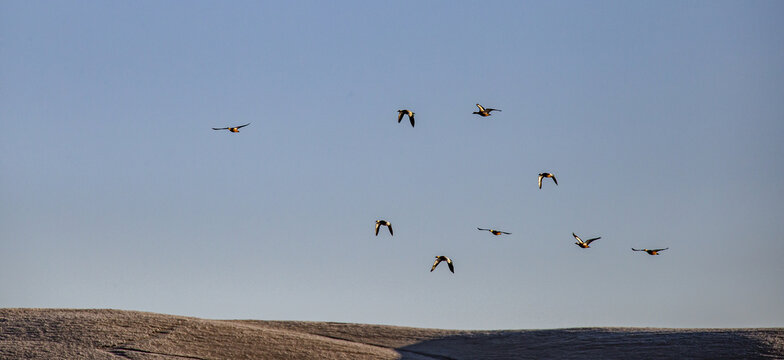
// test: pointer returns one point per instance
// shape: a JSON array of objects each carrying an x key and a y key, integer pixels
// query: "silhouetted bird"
[
  {"x": 546, "y": 175},
  {"x": 441, "y": 258},
  {"x": 406, "y": 112},
  {"x": 495, "y": 232},
  {"x": 584, "y": 244},
  {"x": 384, "y": 223},
  {"x": 483, "y": 112},
  {"x": 651, "y": 252},
  {"x": 232, "y": 129}
]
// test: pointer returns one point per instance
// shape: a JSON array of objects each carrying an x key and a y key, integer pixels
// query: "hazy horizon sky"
[{"x": 663, "y": 122}]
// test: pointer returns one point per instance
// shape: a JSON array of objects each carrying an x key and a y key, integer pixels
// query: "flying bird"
[
  {"x": 484, "y": 112},
  {"x": 380, "y": 223},
  {"x": 584, "y": 244},
  {"x": 651, "y": 252},
  {"x": 546, "y": 175},
  {"x": 234, "y": 129},
  {"x": 495, "y": 232},
  {"x": 405, "y": 112},
  {"x": 441, "y": 258}
]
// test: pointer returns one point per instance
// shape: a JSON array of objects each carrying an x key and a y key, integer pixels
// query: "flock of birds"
[{"x": 483, "y": 112}]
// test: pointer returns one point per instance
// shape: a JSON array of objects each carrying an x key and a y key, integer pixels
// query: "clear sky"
[{"x": 662, "y": 121}]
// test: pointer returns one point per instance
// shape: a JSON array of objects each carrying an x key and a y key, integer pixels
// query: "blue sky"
[{"x": 661, "y": 120}]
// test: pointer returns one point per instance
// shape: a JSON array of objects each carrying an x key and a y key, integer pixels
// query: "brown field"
[{"x": 116, "y": 334}]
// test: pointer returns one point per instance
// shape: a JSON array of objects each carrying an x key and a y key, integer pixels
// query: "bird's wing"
[
  {"x": 377, "y": 229},
  {"x": 399, "y": 116},
  {"x": 435, "y": 264},
  {"x": 489, "y": 110},
  {"x": 577, "y": 237},
  {"x": 657, "y": 250},
  {"x": 633, "y": 249},
  {"x": 411, "y": 117},
  {"x": 224, "y": 128},
  {"x": 556, "y": 181},
  {"x": 483, "y": 229},
  {"x": 507, "y": 233},
  {"x": 591, "y": 240},
  {"x": 390, "y": 229},
  {"x": 480, "y": 107},
  {"x": 242, "y": 126},
  {"x": 540, "y": 181},
  {"x": 451, "y": 265}
]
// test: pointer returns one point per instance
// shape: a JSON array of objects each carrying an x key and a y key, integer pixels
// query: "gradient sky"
[{"x": 663, "y": 122}]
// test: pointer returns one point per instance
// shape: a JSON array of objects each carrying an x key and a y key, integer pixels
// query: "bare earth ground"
[{"x": 116, "y": 334}]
